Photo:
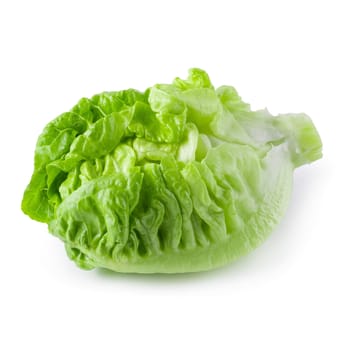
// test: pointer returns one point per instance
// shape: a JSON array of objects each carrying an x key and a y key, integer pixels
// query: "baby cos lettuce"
[{"x": 182, "y": 177}]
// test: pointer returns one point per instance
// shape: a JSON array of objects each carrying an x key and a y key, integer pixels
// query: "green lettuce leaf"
[{"x": 183, "y": 177}]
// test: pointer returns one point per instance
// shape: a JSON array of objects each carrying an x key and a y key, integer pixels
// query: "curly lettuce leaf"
[{"x": 183, "y": 177}]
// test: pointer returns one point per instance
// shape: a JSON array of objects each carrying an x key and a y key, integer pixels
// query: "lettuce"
[{"x": 180, "y": 178}]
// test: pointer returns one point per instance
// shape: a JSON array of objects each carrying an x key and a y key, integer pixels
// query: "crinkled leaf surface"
[{"x": 183, "y": 177}]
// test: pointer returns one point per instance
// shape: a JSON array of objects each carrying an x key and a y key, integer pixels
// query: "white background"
[{"x": 290, "y": 56}]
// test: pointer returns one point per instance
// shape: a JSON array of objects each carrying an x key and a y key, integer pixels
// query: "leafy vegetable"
[{"x": 179, "y": 178}]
